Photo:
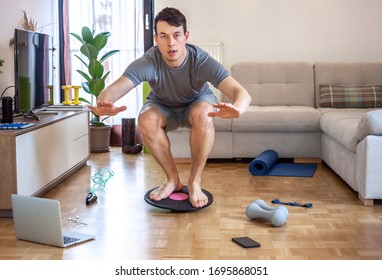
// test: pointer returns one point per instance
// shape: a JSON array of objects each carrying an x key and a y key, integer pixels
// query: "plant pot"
[{"x": 100, "y": 138}]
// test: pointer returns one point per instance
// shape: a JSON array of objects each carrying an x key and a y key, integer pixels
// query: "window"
[{"x": 124, "y": 20}]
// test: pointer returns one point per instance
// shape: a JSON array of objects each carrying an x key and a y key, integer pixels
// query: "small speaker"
[{"x": 6, "y": 103}]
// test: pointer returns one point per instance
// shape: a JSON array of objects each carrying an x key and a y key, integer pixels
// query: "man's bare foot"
[
  {"x": 165, "y": 190},
  {"x": 197, "y": 197}
]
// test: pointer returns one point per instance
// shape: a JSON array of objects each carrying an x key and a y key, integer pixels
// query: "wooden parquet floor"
[{"x": 337, "y": 227}]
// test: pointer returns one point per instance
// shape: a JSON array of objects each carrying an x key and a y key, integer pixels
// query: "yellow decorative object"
[
  {"x": 67, "y": 95},
  {"x": 76, "y": 100},
  {"x": 50, "y": 88}
]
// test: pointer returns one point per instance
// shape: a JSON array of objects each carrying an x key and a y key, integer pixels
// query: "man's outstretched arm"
[
  {"x": 240, "y": 100},
  {"x": 106, "y": 99}
]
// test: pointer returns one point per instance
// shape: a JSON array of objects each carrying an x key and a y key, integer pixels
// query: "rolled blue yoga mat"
[
  {"x": 263, "y": 163},
  {"x": 266, "y": 164}
]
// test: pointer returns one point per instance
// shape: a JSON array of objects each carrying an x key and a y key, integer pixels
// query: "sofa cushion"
[
  {"x": 277, "y": 83},
  {"x": 346, "y": 74},
  {"x": 342, "y": 127},
  {"x": 338, "y": 96},
  {"x": 219, "y": 124},
  {"x": 222, "y": 124},
  {"x": 370, "y": 124},
  {"x": 278, "y": 119}
]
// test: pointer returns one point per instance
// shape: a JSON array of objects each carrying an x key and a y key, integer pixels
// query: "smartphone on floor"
[{"x": 246, "y": 242}]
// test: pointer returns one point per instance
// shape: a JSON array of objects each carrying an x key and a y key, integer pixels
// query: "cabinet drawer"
[{"x": 44, "y": 154}]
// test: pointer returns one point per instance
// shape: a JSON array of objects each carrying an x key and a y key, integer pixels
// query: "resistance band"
[
  {"x": 100, "y": 179},
  {"x": 307, "y": 205}
]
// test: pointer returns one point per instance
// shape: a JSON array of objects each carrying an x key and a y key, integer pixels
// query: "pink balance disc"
[
  {"x": 177, "y": 201},
  {"x": 178, "y": 196}
]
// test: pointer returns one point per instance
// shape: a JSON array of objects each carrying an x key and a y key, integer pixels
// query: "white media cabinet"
[{"x": 36, "y": 159}]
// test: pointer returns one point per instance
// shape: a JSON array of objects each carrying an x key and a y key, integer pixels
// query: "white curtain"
[{"x": 124, "y": 19}]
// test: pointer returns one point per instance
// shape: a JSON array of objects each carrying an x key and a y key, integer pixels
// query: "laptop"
[{"x": 39, "y": 220}]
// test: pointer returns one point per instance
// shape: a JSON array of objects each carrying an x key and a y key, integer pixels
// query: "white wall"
[
  {"x": 251, "y": 30},
  {"x": 286, "y": 30},
  {"x": 42, "y": 11}
]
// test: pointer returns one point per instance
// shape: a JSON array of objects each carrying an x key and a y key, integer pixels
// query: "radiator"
[{"x": 215, "y": 50}]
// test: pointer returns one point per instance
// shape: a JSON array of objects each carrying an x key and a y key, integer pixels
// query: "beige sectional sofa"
[
  {"x": 351, "y": 140},
  {"x": 286, "y": 115}
]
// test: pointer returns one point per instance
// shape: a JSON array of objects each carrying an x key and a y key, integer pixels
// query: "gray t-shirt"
[{"x": 181, "y": 85}]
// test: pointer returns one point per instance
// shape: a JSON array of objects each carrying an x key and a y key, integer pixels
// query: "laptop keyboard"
[{"x": 70, "y": 239}]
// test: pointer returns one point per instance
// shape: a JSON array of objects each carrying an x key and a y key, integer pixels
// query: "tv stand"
[
  {"x": 32, "y": 115},
  {"x": 38, "y": 158}
]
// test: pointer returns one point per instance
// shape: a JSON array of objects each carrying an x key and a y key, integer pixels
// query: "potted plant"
[
  {"x": 92, "y": 45},
  {"x": 1, "y": 64}
]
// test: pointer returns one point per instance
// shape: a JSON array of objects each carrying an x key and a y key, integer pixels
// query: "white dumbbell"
[
  {"x": 260, "y": 210},
  {"x": 265, "y": 206}
]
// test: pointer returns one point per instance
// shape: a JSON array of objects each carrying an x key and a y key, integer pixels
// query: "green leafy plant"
[
  {"x": 91, "y": 47},
  {"x": 1, "y": 64}
]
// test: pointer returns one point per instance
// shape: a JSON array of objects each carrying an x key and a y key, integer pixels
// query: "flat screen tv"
[{"x": 33, "y": 54}]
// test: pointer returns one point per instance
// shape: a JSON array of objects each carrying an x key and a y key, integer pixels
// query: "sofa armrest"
[{"x": 370, "y": 124}]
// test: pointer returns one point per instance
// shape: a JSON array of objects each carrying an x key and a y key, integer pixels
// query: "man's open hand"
[
  {"x": 225, "y": 111},
  {"x": 106, "y": 108}
]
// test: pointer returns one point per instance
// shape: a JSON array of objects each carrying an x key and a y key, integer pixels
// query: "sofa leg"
[{"x": 366, "y": 202}]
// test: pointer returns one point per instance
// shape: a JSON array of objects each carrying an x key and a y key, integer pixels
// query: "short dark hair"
[{"x": 173, "y": 17}]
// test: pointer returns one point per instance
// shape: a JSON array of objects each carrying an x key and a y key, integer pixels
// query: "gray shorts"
[{"x": 178, "y": 117}]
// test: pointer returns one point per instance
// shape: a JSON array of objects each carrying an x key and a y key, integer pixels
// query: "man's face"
[{"x": 171, "y": 41}]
